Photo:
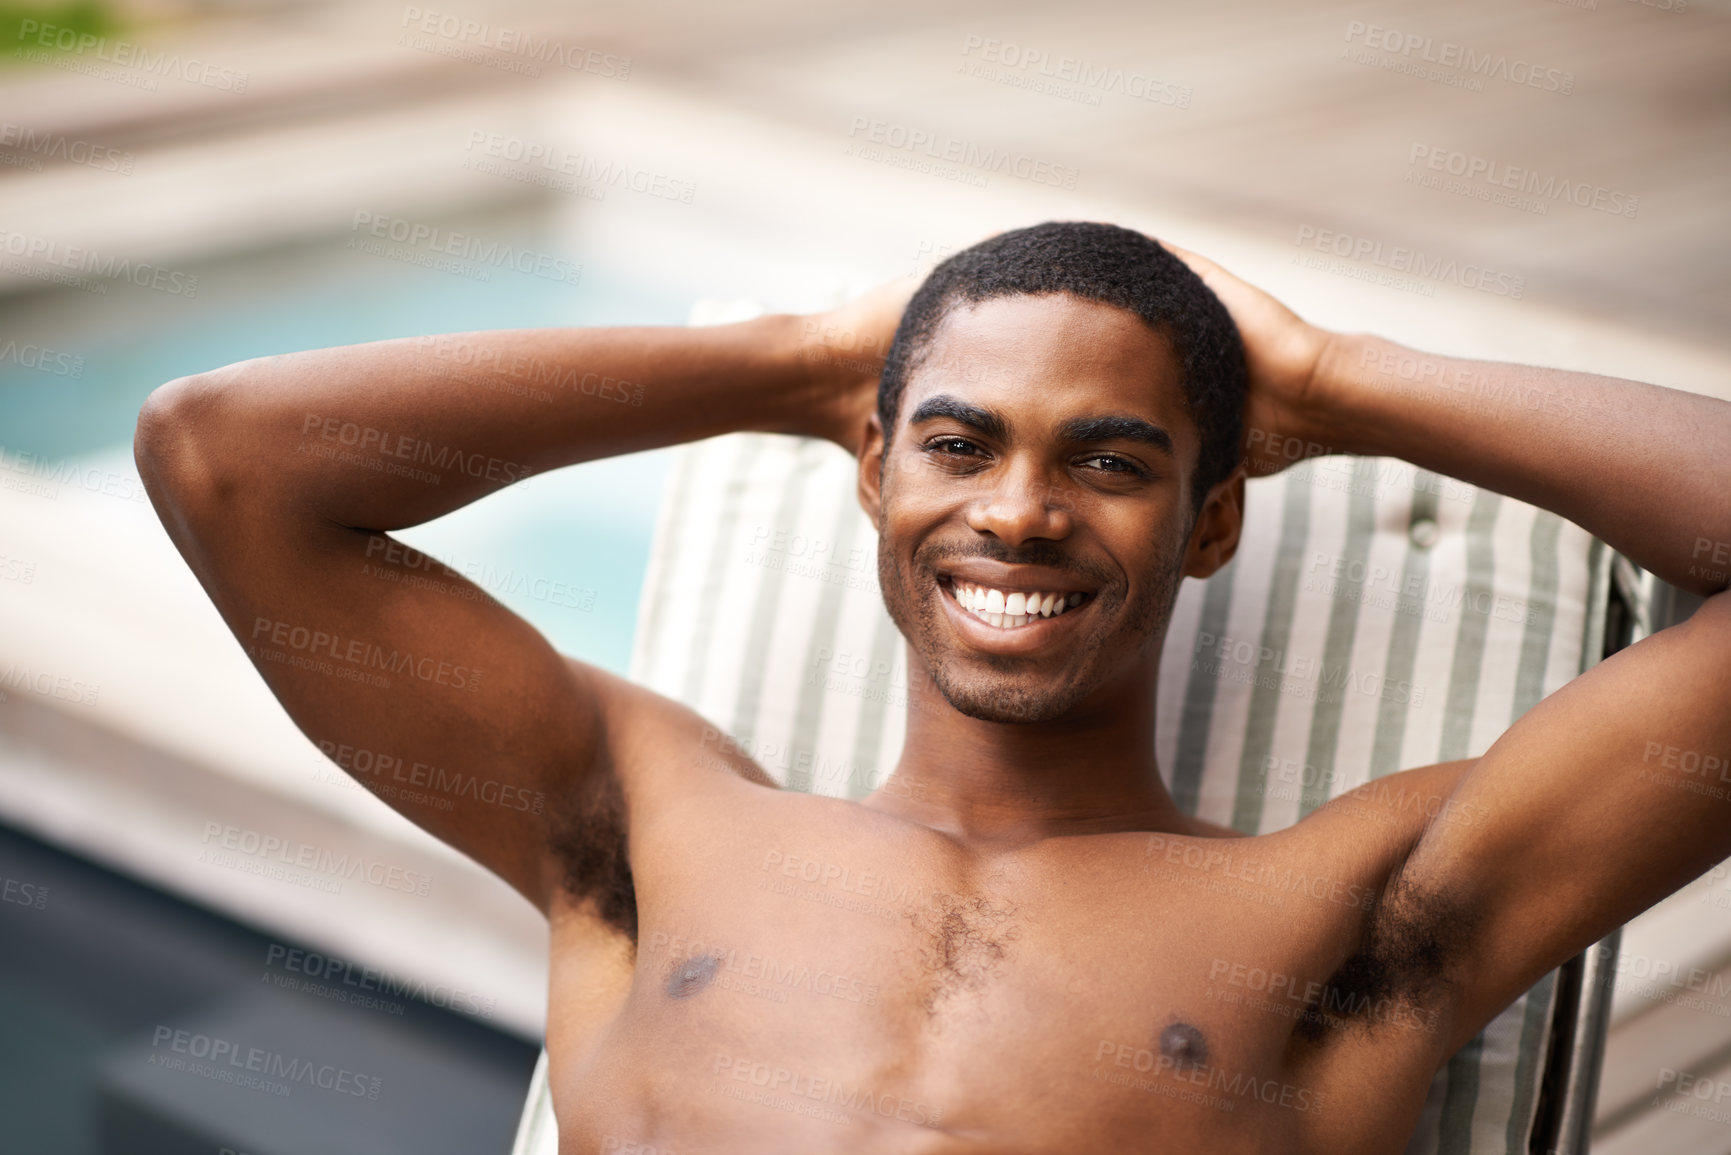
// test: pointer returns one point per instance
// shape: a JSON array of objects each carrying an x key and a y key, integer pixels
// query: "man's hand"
[
  {"x": 845, "y": 348},
  {"x": 1282, "y": 352}
]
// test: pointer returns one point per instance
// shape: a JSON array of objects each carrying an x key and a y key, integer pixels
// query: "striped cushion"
[{"x": 1376, "y": 617}]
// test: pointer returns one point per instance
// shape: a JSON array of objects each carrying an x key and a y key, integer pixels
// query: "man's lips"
[
  {"x": 1004, "y": 631},
  {"x": 1007, "y": 579}
]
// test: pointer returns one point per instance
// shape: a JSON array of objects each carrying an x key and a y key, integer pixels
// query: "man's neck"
[{"x": 982, "y": 782}]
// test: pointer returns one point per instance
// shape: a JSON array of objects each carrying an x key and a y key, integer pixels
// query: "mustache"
[{"x": 1043, "y": 554}]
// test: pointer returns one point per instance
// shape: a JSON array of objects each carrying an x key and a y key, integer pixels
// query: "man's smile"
[{"x": 1010, "y": 609}]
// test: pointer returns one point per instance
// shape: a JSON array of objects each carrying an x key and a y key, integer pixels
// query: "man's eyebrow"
[
  {"x": 987, "y": 421},
  {"x": 1105, "y": 427},
  {"x": 1118, "y": 427}
]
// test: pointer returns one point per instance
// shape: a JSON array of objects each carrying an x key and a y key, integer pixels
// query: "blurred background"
[{"x": 183, "y": 185}]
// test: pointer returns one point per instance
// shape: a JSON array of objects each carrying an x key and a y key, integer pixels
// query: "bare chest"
[{"x": 862, "y": 997}]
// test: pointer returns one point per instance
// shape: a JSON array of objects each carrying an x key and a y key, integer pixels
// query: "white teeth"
[{"x": 1007, "y": 611}]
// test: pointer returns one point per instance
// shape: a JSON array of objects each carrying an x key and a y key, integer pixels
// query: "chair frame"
[{"x": 1637, "y": 604}]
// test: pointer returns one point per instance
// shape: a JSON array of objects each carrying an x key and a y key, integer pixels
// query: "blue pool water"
[{"x": 578, "y": 537}]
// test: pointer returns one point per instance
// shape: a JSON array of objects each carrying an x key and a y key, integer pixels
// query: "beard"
[{"x": 1023, "y": 690}]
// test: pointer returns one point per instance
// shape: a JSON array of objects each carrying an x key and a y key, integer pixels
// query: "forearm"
[
  {"x": 1644, "y": 468},
  {"x": 395, "y": 433}
]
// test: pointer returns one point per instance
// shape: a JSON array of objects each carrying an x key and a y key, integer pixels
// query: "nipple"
[
  {"x": 1183, "y": 1045},
  {"x": 692, "y": 976}
]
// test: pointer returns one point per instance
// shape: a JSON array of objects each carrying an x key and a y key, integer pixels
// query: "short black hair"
[{"x": 1097, "y": 262}]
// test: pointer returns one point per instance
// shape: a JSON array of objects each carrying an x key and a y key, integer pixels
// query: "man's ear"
[
  {"x": 871, "y": 468},
  {"x": 1214, "y": 537}
]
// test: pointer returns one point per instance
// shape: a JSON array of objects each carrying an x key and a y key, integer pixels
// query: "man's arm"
[
  {"x": 1615, "y": 790},
  {"x": 279, "y": 478},
  {"x": 1641, "y": 467}
]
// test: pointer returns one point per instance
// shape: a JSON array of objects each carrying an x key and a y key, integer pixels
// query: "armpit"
[
  {"x": 1413, "y": 938},
  {"x": 588, "y": 836}
]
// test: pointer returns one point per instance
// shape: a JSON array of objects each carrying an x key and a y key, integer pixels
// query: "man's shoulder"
[
  {"x": 1403, "y": 803},
  {"x": 652, "y": 739},
  {"x": 1392, "y": 810}
]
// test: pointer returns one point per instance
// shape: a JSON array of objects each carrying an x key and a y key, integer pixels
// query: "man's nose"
[{"x": 1022, "y": 506}]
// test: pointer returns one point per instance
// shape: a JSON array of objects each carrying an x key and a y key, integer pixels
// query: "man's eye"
[
  {"x": 951, "y": 446},
  {"x": 1110, "y": 464}
]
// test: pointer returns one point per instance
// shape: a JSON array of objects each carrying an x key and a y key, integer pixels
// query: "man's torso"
[{"x": 812, "y": 974}]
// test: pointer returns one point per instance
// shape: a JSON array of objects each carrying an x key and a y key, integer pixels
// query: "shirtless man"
[{"x": 1036, "y": 435}]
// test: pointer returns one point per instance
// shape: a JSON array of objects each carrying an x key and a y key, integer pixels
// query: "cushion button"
[{"x": 1424, "y": 533}]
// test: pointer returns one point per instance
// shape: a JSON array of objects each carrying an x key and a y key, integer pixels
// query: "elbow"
[
  {"x": 183, "y": 443},
  {"x": 165, "y": 437}
]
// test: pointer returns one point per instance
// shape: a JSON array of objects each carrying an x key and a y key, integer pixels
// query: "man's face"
[{"x": 1043, "y": 448}]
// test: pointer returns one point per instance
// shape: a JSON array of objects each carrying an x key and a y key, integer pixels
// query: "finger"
[
  {"x": 1182, "y": 254},
  {"x": 1199, "y": 264}
]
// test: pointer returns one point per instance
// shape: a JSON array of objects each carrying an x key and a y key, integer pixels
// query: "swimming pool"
[
  {"x": 566, "y": 550},
  {"x": 92, "y": 977}
]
